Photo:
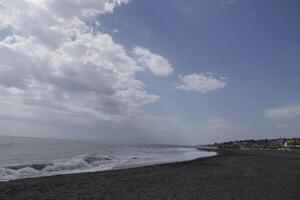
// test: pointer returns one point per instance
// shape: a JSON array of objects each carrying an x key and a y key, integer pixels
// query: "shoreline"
[
  {"x": 162, "y": 163},
  {"x": 231, "y": 174},
  {"x": 41, "y": 170}
]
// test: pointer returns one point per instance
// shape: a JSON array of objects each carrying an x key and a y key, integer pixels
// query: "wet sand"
[{"x": 234, "y": 174}]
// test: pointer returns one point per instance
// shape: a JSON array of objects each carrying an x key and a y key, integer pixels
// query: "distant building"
[{"x": 276, "y": 144}]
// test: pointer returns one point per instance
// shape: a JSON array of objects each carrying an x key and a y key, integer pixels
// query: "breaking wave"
[
  {"x": 81, "y": 163},
  {"x": 96, "y": 162}
]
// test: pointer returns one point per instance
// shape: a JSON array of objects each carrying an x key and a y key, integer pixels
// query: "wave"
[
  {"x": 73, "y": 165},
  {"x": 96, "y": 162}
]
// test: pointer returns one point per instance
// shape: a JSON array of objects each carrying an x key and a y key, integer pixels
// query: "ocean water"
[{"x": 35, "y": 157}]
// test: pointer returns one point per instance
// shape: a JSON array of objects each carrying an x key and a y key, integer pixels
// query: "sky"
[{"x": 150, "y": 71}]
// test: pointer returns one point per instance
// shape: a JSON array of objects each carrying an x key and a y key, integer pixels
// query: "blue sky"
[
  {"x": 249, "y": 46},
  {"x": 255, "y": 44}
]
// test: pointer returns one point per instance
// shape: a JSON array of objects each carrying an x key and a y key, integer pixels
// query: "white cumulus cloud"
[
  {"x": 157, "y": 64},
  {"x": 60, "y": 72},
  {"x": 56, "y": 60},
  {"x": 203, "y": 83}
]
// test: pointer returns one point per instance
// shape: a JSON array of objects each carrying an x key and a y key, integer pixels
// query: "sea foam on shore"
[{"x": 93, "y": 157}]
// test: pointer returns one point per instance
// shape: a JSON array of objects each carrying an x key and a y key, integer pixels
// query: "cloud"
[
  {"x": 61, "y": 62},
  {"x": 59, "y": 73},
  {"x": 285, "y": 112},
  {"x": 157, "y": 64},
  {"x": 202, "y": 83}
]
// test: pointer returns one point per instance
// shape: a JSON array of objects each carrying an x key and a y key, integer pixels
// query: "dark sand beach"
[{"x": 234, "y": 174}]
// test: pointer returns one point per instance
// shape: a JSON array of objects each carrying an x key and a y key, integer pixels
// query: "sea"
[{"x": 24, "y": 157}]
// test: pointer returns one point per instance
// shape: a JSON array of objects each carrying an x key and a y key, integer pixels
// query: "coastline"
[
  {"x": 101, "y": 162},
  {"x": 231, "y": 174}
]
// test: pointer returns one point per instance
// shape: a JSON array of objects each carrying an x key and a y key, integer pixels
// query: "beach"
[{"x": 233, "y": 174}]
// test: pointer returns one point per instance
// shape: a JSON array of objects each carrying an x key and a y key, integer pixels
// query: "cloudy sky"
[{"x": 172, "y": 71}]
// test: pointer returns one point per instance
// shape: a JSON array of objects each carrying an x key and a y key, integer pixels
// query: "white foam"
[{"x": 97, "y": 162}]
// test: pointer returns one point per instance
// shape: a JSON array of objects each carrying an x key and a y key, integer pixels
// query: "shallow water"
[{"x": 53, "y": 156}]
